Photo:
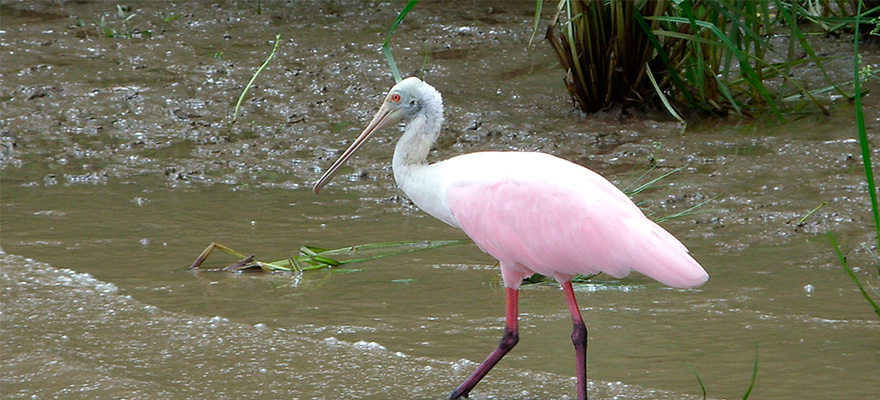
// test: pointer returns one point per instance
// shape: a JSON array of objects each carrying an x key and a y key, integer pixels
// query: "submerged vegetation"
[
  {"x": 312, "y": 257},
  {"x": 712, "y": 56}
]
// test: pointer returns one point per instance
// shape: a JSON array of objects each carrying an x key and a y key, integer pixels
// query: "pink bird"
[{"x": 534, "y": 212}]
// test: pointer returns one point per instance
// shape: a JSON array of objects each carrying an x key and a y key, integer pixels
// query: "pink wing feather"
[{"x": 581, "y": 224}]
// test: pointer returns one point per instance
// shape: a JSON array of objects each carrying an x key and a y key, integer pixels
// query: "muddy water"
[{"x": 118, "y": 168}]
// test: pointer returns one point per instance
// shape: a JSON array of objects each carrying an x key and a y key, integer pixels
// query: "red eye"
[{"x": 395, "y": 97}]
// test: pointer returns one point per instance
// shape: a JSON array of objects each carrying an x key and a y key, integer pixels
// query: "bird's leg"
[
  {"x": 511, "y": 336},
  {"x": 579, "y": 338}
]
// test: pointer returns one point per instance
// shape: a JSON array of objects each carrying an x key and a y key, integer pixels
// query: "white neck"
[
  {"x": 411, "y": 169},
  {"x": 422, "y": 129},
  {"x": 413, "y": 147}
]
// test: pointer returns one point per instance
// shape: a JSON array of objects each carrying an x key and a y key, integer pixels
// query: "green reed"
[
  {"x": 862, "y": 131},
  {"x": 386, "y": 48},
  {"x": 709, "y": 55},
  {"x": 849, "y": 271}
]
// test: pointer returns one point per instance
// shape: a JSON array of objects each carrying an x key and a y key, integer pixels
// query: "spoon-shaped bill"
[{"x": 384, "y": 117}]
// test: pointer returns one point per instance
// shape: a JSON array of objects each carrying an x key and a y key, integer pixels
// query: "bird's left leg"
[
  {"x": 579, "y": 338},
  {"x": 510, "y": 338}
]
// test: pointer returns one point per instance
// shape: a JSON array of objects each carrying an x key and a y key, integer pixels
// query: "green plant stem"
[
  {"x": 700, "y": 381},
  {"x": 386, "y": 48},
  {"x": 254, "y": 78},
  {"x": 813, "y": 211},
  {"x": 754, "y": 375},
  {"x": 852, "y": 274},
  {"x": 863, "y": 133}
]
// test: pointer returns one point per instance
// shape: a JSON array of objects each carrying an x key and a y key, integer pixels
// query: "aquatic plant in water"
[{"x": 313, "y": 257}]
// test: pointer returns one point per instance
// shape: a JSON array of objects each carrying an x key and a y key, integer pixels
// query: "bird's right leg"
[
  {"x": 511, "y": 336},
  {"x": 579, "y": 338}
]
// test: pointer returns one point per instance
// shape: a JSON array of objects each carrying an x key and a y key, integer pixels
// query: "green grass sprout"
[
  {"x": 167, "y": 19},
  {"x": 813, "y": 211},
  {"x": 699, "y": 381},
  {"x": 754, "y": 375},
  {"x": 253, "y": 78}
]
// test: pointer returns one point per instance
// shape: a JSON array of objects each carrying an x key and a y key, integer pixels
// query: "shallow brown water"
[{"x": 118, "y": 169}]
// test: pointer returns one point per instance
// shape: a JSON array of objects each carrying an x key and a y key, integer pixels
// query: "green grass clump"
[
  {"x": 712, "y": 56},
  {"x": 124, "y": 24}
]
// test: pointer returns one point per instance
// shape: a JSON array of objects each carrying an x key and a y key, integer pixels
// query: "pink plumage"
[
  {"x": 533, "y": 212},
  {"x": 560, "y": 224}
]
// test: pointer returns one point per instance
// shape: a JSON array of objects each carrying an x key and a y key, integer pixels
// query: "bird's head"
[{"x": 404, "y": 101}]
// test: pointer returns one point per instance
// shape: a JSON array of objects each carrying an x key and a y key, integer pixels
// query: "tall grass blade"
[
  {"x": 700, "y": 381},
  {"x": 748, "y": 72},
  {"x": 538, "y": 6},
  {"x": 852, "y": 275},
  {"x": 663, "y": 96},
  {"x": 863, "y": 133},
  {"x": 689, "y": 211},
  {"x": 254, "y": 78},
  {"x": 650, "y": 183},
  {"x": 386, "y": 48},
  {"x": 754, "y": 375},
  {"x": 664, "y": 57},
  {"x": 799, "y": 35}
]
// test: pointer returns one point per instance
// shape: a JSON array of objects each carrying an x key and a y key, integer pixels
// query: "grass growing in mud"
[
  {"x": 251, "y": 82},
  {"x": 713, "y": 56},
  {"x": 126, "y": 24}
]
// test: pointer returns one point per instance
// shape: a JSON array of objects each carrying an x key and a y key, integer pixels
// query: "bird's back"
[{"x": 557, "y": 218}]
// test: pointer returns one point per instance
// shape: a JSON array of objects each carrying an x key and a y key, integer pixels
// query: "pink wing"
[{"x": 564, "y": 229}]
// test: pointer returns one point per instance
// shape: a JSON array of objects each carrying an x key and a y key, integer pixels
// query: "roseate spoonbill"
[{"x": 532, "y": 211}]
